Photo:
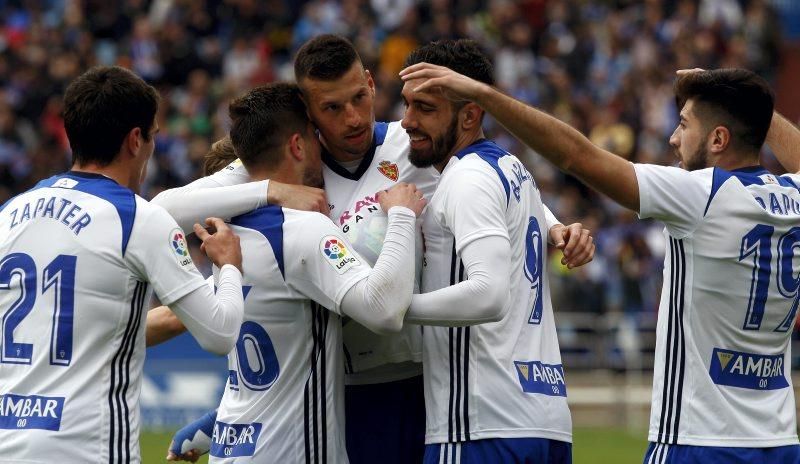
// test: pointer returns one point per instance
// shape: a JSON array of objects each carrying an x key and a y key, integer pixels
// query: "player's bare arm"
[
  {"x": 559, "y": 143},
  {"x": 300, "y": 197},
  {"x": 162, "y": 325},
  {"x": 784, "y": 138}
]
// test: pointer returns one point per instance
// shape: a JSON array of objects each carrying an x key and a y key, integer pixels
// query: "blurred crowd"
[{"x": 605, "y": 67}]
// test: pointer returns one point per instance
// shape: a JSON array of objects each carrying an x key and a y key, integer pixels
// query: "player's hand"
[
  {"x": 297, "y": 197},
  {"x": 683, "y": 72},
  {"x": 402, "y": 194},
  {"x": 193, "y": 440},
  {"x": 453, "y": 85},
  {"x": 221, "y": 246},
  {"x": 575, "y": 242},
  {"x": 190, "y": 456}
]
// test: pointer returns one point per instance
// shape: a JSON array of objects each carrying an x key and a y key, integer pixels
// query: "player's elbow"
[
  {"x": 493, "y": 307},
  {"x": 388, "y": 323},
  {"x": 220, "y": 345}
]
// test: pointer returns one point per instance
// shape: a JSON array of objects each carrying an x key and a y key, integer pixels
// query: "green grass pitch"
[{"x": 591, "y": 446}]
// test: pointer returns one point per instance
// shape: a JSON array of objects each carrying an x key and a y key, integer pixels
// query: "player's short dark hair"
[
  {"x": 263, "y": 119},
  {"x": 463, "y": 56},
  {"x": 218, "y": 156},
  {"x": 326, "y": 57},
  {"x": 738, "y": 99},
  {"x": 101, "y": 106}
]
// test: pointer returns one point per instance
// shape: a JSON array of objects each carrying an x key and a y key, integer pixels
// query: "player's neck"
[
  {"x": 463, "y": 140},
  {"x": 731, "y": 161},
  {"x": 114, "y": 171},
  {"x": 341, "y": 156},
  {"x": 282, "y": 174}
]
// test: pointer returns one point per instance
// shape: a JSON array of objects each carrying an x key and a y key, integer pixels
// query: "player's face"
[
  {"x": 312, "y": 171},
  {"x": 343, "y": 111},
  {"x": 689, "y": 140},
  {"x": 431, "y": 122}
]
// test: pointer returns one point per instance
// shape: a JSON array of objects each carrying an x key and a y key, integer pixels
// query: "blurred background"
[{"x": 605, "y": 67}]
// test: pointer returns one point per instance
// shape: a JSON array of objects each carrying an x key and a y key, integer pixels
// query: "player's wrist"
[
  {"x": 230, "y": 270},
  {"x": 399, "y": 210}
]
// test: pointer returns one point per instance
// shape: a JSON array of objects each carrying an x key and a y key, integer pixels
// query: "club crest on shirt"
[
  {"x": 177, "y": 242},
  {"x": 336, "y": 254},
  {"x": 389, "y": 170}
]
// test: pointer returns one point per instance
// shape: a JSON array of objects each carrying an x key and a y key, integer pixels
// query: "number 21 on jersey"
[{"x": 59, "y": 276}]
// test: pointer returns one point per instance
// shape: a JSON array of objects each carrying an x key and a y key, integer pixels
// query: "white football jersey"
[
  {"x": 284, "y": 399},
  {"x": 728, "y": 305},
  {"x": 357, "y": 212},
  {"x": 502, "y": 379},
  {"x": 78, "y": 256}
]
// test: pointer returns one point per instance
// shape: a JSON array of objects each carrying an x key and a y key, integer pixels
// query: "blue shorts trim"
[
  {"x": 659, "y": 453},
  {"x": 500, "y": 450},
  {"x": 385, "y": 422}
]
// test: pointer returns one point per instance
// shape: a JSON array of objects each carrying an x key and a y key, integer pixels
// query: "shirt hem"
[
  {"x": 503, "y": 433},
  {"x": 733, "y": 442}
]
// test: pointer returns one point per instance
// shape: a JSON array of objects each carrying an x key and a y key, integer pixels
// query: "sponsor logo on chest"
[
  {"x": 30, "y": 412},
  {"x": 233, "y": 440},
  {"x": 544, "y": 379},
  {"x": 747, "y": 370}
]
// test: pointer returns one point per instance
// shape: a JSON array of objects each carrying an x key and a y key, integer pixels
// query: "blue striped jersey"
[
  {"x": 501, "y": 379},
  {"x": 79, "y": 257},
  {"x": 728, "y": 305},
  {"x": 284, "y": 398}
]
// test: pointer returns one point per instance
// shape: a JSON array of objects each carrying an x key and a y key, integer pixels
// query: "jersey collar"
[{"x": 378, "y": 136}]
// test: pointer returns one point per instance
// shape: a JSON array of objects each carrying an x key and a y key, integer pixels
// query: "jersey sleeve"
[
  {"x": 226, "y": 193},
  {"x": 322, "y": 264},
  {"x": 673, "y": 196},
  {"x": 474, "y": 203},
  {"x": 159, "y": 254}
]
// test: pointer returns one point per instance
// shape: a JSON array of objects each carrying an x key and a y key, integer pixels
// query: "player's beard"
[
  {"x": 698, "y": 159},
  {"x": 440, "y": 146}
]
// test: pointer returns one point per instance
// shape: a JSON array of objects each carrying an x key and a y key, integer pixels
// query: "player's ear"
[
  {"x": 297, "y": 148},
  {"x": 133, "y": 141},
  {"x": 719, "y": 139},
  {"x": 370, "y": 81},
  {"x": 470, "y": 116}
]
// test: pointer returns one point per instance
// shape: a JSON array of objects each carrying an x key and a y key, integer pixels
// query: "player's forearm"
[
  {"x": 482, "y": 298},
  {"x": 559, "y": 143},
  {"x": 162, "y": 325},
  {"x": 380, "y": 301},
  {"x": 564, "y": 146},
  {"x": 214, "y": 320},
  {"x": 192, "y": 204},
  {"x": 783, "y": 138}
]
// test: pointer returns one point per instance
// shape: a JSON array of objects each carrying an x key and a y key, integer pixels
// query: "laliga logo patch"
[
  {"x": 336, "y": 254},
  {"x": 180, "y": 247},
  {"x": 389, "y": 170}
]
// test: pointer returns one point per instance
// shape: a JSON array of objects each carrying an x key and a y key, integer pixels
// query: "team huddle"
[{"x": 403, "y": 313}]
